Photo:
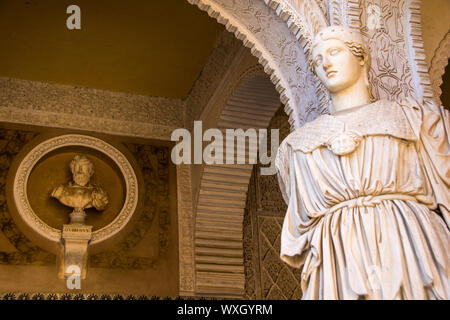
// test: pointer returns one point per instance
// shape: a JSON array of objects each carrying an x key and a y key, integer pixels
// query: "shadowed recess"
[{"x": 155, "y": 48}]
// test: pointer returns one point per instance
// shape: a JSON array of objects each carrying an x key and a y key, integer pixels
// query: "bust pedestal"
[{"x": 74, "y": 251}]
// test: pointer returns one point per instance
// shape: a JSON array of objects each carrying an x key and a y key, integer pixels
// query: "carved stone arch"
[
  {"x": 279, "y": 39},
  {"x": 218, "y": 246},
  {"x": 438, "y": 64},
  {"x": 278, "y": 33}
]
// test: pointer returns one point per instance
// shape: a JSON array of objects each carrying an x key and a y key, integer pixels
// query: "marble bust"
[
  {"x": 367, "y": 187},
  {"x": 80, "y": 194}
]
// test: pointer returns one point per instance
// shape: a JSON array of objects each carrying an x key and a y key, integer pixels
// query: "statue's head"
[
  {"x": 82, "y": 169},
  {"x": 340, "y": 58}
]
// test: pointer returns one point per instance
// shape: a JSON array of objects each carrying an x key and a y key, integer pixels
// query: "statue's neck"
[
  {"x": 351, "y": 97},
  {"x": 74, "y": 184}
]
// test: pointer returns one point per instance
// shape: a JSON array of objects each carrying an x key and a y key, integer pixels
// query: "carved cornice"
[
  {"x": 155, "y": 207},
  {"x": 63, "y": 106},
  {"x": 25, "y": 167},
  {"x": 323, "y": 6},
  {"x": 438, "y": 64}
]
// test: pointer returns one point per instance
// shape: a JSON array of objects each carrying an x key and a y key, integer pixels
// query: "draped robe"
[{"x": 361, "y": 187}]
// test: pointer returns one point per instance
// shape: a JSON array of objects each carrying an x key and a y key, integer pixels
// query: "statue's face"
[
  {"x": 336, "y": 66},
  {"x": 81, "y": 173}
]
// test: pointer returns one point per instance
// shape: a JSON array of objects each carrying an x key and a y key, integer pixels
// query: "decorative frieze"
[{"x": 63, "y": 106}]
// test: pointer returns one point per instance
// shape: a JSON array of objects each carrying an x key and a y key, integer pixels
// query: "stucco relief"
[
  {"x": 63, "y": 106},
  {"x": 323, "y": 6},
  {"x": 304, "y": 17},
  {"x": 84, "y": 296},
  {"x": 11, "y": 142},
  {"x": 394, "y": 29},
  {"x": 383, "y": 26},
  {"x": 156, "y": 206},
  {"x": 185, "y": 230},
  {"x": 276, "y": 47}
]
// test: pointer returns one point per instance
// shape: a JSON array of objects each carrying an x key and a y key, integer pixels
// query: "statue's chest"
[
  {"x": 342, "y": 134},
  {"x": 78, "y": 196}
]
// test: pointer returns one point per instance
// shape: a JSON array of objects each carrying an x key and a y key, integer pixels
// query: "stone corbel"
[{"x": 74, "y": 250}]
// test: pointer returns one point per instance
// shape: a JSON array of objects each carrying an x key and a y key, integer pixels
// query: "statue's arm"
[
  {"x": 57, "y": 192},
  {"x": 294, "y": 244},
  {"x": 432, "y": 126},
  {"x": 282, "y": 165},
  {"x": 100, "y": 199}
]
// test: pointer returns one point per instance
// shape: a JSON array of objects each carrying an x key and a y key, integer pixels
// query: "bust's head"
[
  {"x": 82, "y": 169},
  {"x": 340, "y": 58}
]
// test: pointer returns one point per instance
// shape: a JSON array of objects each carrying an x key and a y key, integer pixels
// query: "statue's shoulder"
[
  {"x": 58, "y": 191},
  {"x": 97, "y": 188},
  {"x": 314, "y": 133},
  {"x": 383, "y": 117}
]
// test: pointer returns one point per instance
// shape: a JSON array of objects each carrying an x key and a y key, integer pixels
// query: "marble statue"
[
  {"x": 80, "y": 194},
  {"x": 367, "y": 187}
]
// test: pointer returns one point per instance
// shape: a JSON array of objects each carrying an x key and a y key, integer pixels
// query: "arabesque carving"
[
  {"x": 278, "y": 50},
  {"x": 153, "y": 162},
  {"x": 11, "y": 142}
]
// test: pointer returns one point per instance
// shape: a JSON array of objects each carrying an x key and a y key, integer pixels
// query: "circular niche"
[
  {"x": 53, "y": 170},
  {"x": 46, "y": 166}
]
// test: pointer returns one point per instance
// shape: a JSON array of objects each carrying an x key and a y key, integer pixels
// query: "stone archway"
[
  {"x": 278, "y": 39},
  {"x": 219, "y": 268},
  {"x": 278, "y": 34}
]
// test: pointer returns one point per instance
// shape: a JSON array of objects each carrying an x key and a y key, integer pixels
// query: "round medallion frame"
[{"x": 27, "y": 164}]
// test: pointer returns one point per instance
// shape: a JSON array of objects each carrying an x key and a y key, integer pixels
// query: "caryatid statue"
[
  {"x": 80, "y": 194},
  {"x": 361, "y": 185}
]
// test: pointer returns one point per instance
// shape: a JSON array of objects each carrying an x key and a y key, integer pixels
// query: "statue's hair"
[
  {"x": 356, "y": 49},
  {"x": 352, "y": 40},
  {"x": 81, "y": 159}
]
